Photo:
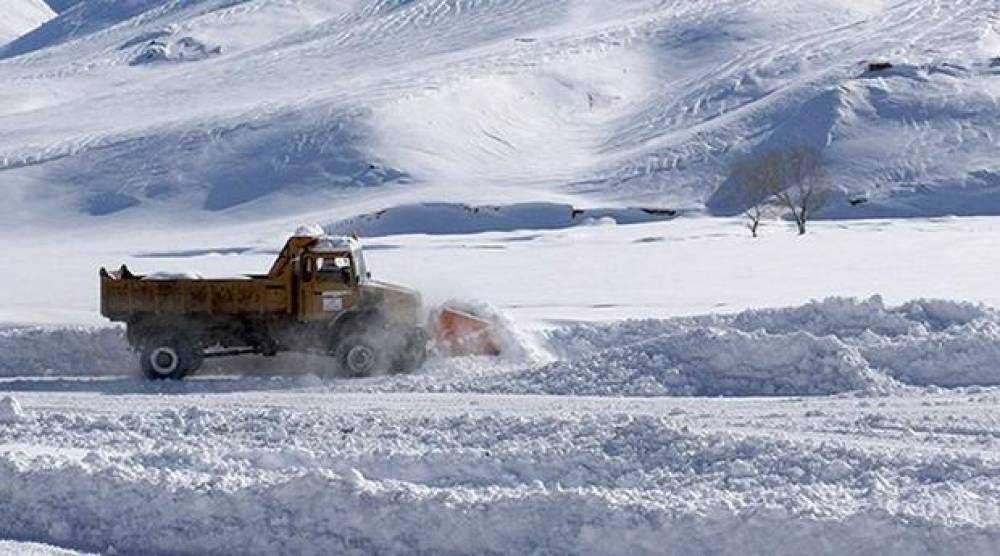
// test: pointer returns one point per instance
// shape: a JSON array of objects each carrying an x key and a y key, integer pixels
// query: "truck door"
[{"x": 326, "y": 286}]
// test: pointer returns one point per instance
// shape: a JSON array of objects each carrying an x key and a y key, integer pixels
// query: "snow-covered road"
[{"x": 244, "y": 470}]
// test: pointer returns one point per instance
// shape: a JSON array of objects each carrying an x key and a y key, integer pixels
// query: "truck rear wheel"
[{"x": 169, "y": 357}]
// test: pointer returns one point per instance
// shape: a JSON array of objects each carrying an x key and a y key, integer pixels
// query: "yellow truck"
[{"x": 317, "y": 297}]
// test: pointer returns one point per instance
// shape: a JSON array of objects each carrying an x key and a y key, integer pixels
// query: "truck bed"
[{"x": 124, "y": 295}]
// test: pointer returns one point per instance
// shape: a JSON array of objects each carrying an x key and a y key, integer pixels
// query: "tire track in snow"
[{"x": 312, "y": 472}]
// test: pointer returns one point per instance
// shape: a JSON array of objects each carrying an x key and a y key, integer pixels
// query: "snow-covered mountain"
[
  {"x": 17, "y": 17},
  {"x": 174, "y": 110}
]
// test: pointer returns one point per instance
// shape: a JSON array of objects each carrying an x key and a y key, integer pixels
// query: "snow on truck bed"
[{"x": 190, "y": 275}]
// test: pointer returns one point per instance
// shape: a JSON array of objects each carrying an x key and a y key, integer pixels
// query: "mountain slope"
[
  {"x": 21, "y": 16},
  {"x": 60, "y": 6},
  {"x": 170, "y": 110}
]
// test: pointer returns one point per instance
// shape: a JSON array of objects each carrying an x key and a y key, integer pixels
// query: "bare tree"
[
  {"x": 807, "y": 184},
  {"x": 755, "y": 215},
  {"x": 794, "y": 177},
  {"x": 753, "y": 179}
]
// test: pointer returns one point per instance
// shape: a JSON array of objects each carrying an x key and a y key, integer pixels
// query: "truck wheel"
[
  {"x": 358, "y": 357},
  {"x": 169, "y": 358}
]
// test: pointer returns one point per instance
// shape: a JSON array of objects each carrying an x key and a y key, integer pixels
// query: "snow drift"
[
  {"x": 37, "y": 351},
  {"x": 10, "y": 411},
  {"x": 824, "y": 347},
  {"x": 705, "y": 362},
  {"x": 468, "y": 484}
]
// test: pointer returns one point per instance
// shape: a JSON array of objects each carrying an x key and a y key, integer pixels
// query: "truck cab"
[{"x": 330, "y": 276}]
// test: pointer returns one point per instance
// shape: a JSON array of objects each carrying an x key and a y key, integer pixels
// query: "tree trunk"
[{"x": 800, "y": 221}]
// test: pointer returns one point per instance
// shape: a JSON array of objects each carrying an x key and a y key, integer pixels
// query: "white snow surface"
[
  {"x": 17, "y": 17},
  {"x": 352, "y": 107},
  {"x": 877, "y": 430},
  {"x": 825, "y": 347},
  {"x": 43, "y": 351},
  {"x": 310, "y": 230},
  {"x": 667, "y": 383},
  {"x": 300, "y": 471},
  {"x": 452, "y": 218},
  {"x": 13, "y": 548},
  {"x": 327, "y": 243},
  {"x": 10, "y": 411},
  {"x": 539, "y": 277},
  {"x": 190, "y": 275},
  {"x": 842, "y": 423}
]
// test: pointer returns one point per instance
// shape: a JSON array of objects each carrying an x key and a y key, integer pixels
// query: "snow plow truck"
[{"x": 318, "y": 297}]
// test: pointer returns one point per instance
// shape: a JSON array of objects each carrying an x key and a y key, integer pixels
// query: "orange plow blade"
[{"x": 459, "y": 333}]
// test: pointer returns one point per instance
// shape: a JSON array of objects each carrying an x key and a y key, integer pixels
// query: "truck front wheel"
[
  {"x": 168, "y": 357},
  {"x": 359, "y": 357}
]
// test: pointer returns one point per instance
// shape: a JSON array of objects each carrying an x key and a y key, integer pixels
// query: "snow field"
[{"x": 464, "y": 475}]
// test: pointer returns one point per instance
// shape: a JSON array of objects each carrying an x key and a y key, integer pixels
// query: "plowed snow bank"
[
  {"x": 76, "y": 351},
  {"x": 706, "y": 362},
  {"x": 823, "y": 347},
  {"x": 10, "y": 411}
]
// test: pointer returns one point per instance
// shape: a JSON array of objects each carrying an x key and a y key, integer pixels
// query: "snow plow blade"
[{"x": 457, "y": 333}]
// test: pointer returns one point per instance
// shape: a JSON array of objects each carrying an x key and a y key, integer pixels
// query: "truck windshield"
[{"x": 334, "y": 268}]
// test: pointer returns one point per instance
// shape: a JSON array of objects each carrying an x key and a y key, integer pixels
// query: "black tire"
[
  {"x": 358, "y": 356},
  {"x": 169, "y": 357}
]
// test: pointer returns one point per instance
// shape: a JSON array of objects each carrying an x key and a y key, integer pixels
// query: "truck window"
[
  {"x": 333, "y": 263},
  {"x": 334, "y": 269}
]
